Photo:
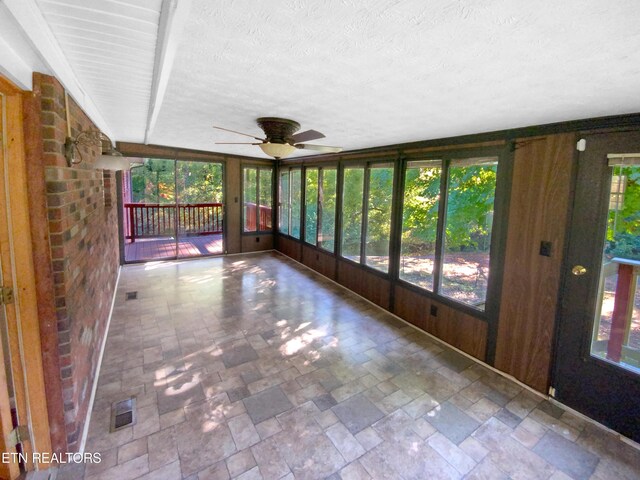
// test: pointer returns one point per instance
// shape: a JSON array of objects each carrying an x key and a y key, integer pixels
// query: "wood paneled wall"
[
  {"x": 369, "y": 285},
  {"x": 319, "y": 261},
  {"x": 540, "y": 195},
  {"x": 463, "y": 331},
  {"x": 290, "y": 248}
]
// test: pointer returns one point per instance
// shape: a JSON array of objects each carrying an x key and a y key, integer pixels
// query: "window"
[
  {"x": 257, "y": 198},
  {"x": 467, "y": 234},
  {"x": 352, "y": 197},
  {"x": 420, "y": 222},
  {"x": 290, "y": 201},
  {"x": 295, "y": 184},
  {"x": 311, "y": 205},
  {"x": 327, "y": 208},
  {"x": 379, "y": 204},
  {"x": 449, "y": 255},
  {"x": 283, "y": 212}
]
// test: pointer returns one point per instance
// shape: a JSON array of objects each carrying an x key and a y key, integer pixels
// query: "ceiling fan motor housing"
[{"x": 278, "y": 130}]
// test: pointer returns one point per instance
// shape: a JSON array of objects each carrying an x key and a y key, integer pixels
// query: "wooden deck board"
[{"x": 162, "y": 248}]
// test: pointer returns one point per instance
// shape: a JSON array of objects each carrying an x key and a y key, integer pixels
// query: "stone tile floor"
[{"x": 253, "y": 367}]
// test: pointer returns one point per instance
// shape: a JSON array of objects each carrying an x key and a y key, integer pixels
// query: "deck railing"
[
  {"x": 263, "y": 220},
  {"x": 148, "y": 220}
]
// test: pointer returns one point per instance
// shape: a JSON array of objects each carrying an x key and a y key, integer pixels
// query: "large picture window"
[
  {"x": 352, "y": 199},
  {"x": 284, "y": 201},
  {"x": 420, "y": 222},
  {"x": 467, "y": 233},
  {"x": 290, "y": 202},
  {"x": 327, "y": 208},
  {"x": 379, "y": 206},
  {"x": 375, "y": 181},
  {"x": 257, "y": 196},
  {"x": 311, "y": 205},
  {"x": 449, "y": 255}
]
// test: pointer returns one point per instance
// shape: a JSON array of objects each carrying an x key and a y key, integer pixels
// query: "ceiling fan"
[{"x": 281, "y": 139}]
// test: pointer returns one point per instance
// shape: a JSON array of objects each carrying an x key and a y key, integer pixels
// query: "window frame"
[
  {"x": 367, "y": 165},
  {"x": 288, "y": 171},
  {"x": 257, "y": 168},
  {"x": 498, "y": 226}
]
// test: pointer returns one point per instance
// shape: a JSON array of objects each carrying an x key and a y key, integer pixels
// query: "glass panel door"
[
  {"x": 596, "y": 367},
  {"x": 616, "y": 328},
  {"x": 172, "y": 209},
  {"x": 149, "y": 217},
  {"x": 200, "y": 208}
]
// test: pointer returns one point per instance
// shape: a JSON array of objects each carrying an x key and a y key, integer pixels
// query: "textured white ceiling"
[{"x": 365, "y": 73}]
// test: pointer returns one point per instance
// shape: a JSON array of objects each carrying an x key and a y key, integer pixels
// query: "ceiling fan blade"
[
  {"x": 237, "y": 143},
  {"x": 318, "y": 148},
  {"x": 239, "y": 133},
  {"x": 306, "y": 136}
]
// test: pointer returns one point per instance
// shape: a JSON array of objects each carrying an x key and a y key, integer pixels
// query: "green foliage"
[
  {"x": 352, "y": 196},
  {"x": 623, "y": 232},
  {"x": 156, "y": 181},
  {"x": 469, "y": 208},
  {"x": 379, "y": 210}
]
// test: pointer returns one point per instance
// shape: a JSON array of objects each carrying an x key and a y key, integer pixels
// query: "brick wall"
[{"x": 83, "y": 232}]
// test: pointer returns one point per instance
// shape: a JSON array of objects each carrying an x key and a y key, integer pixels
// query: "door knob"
[{"x": 578, "y": 270}]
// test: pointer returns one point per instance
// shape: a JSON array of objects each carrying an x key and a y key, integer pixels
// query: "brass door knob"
[{"x": 578, "y": 270}]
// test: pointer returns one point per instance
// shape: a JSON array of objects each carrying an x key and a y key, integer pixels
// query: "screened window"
[
  {"x": 311, "y": 205},
  {"x": 283, "y": 213},
  {"x": 379, "y": 205},
  {"x": 257, "y": 199},
  {"x": 420, "y": 222},
  {"x": 290, "y": 201},
  {"x": 327, "y": 208},
  {"x": 467, "y": 234},
  {"x": 295, "y": 185},
  {"x": 352, "y": 199},
  {"x": 449, "y": 255}
]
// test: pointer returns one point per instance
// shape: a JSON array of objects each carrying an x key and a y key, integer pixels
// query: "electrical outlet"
[
  {"x": 434, "y": 311},
  {"x": 545, "y": 248}
]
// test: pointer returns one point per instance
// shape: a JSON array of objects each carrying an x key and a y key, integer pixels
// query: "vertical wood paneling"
[
  {"x": 249, "y": 244},
  {"x": 290, "y": 248},
  {"x": 538, "y": 211},
  {"x": 321, "y": 262},
  {"x": 412, "y": 307},
  {"x": 459, "y": 329},
  {"x": 364, "y": 283},
  {"x": 463, "y": 331}
]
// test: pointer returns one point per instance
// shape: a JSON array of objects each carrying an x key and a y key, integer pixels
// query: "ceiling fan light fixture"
[{"x": 277, "y": 150}]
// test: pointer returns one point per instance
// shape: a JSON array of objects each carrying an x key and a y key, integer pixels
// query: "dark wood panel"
[
  {"x": 412, "y": 307},
  {"x": 538, "y": 212},
  {"x": 459, "y": 329},
  {"x": 290, "y": 248},
  {"x": 256, "y": 243},
  {"x": 367, "y": 284},
  {"x": 319, "y": 261}
]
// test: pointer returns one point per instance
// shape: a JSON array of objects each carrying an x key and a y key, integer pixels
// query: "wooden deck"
[{"x": 148, "y": 249}]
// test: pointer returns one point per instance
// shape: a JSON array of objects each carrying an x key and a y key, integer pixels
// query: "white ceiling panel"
[
  {"x": 111, "y": 46},
  {"x": 374, "y": 73},
  {"x": 365, "y": 73}
]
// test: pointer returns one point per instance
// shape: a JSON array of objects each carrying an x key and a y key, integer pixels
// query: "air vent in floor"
[{"x": 123, "y": 413}]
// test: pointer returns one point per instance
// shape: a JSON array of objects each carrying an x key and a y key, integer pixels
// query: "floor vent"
[
  {"x": 132, "y": 295},
  {"x": 123, "y": 414}
]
